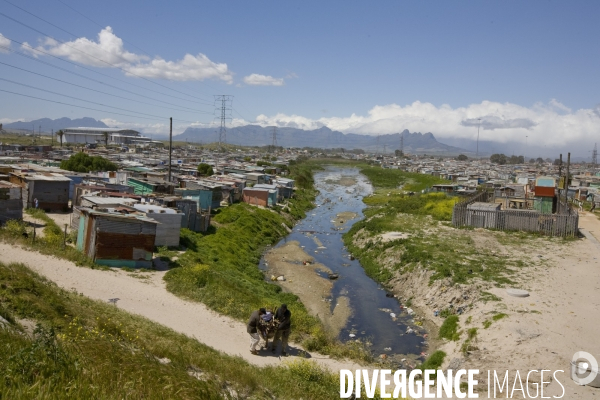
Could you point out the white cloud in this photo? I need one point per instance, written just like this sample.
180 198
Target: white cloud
190 68
551 124
263 80
109 49
4 42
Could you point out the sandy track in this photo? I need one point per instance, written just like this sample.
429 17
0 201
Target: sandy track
149 298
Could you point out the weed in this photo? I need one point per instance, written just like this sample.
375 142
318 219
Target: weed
469 320
434 361
449 329
487 296
499 316
487 323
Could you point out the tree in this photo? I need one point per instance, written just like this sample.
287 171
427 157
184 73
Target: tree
539 160
462 157
398 153
60 135
105 137
556 161
498 159
205 169
82 162
532 161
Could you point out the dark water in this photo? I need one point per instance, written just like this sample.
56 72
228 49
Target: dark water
367 298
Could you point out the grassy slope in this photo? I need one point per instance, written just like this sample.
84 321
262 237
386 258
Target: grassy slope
449 252
88 349
220 267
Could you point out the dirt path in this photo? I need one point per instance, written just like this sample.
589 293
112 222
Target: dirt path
150 299
544 330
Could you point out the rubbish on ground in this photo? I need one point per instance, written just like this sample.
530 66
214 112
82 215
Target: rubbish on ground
392 315
352 335
281 278
388 349
517 292
334 276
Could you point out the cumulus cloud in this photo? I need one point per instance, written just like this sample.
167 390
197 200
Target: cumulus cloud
551 124
108 52
5 43
263 80
491 122
190 68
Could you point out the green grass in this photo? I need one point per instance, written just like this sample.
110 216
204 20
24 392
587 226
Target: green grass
220 270
467 345
52 242
88 349
394 178
499 316
449 329
434 361
487 323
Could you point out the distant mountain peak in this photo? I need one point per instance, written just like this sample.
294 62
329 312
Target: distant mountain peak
48 124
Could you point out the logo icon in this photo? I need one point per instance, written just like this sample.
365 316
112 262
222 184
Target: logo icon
584 368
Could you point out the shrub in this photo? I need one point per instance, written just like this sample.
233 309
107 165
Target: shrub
449 329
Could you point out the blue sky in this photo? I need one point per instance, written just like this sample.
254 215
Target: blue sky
525 68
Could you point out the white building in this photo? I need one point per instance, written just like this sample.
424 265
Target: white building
96 135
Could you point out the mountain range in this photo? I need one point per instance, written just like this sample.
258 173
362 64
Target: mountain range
254 135
47 125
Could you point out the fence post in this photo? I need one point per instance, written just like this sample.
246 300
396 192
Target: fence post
65 239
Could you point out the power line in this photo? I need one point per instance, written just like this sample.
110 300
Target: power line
87 108
74 98
100 25
91 70
89 55
99 91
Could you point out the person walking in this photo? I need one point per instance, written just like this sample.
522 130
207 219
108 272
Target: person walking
36 203
252 329
284 316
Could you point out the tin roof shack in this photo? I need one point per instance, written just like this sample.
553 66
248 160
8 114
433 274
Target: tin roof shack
256 177
146 186
93 202
286 187
11 204
260 197
278 196
192 219
482 215
206 200
116 240
51 190
169 223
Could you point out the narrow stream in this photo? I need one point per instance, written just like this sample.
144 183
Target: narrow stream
372 311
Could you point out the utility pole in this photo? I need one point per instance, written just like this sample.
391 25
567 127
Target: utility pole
478 126
525 155
567 181
170 145
274 144
52 137
224 110
594 156
559 177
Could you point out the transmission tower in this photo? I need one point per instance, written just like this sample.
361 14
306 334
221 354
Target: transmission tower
401 145
595 155
274 143
223 105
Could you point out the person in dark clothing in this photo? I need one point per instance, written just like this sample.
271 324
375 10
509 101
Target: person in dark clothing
252 329
284 316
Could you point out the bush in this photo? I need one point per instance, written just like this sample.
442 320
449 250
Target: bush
14 228
82 162
449 329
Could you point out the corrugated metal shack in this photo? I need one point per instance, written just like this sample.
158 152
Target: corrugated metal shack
51 189
11 204
116 240
169 223
207 194
260 197
194 221
146 186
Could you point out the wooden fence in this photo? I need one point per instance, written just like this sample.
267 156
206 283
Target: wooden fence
562 224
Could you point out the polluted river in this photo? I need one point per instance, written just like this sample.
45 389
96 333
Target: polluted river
313 263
